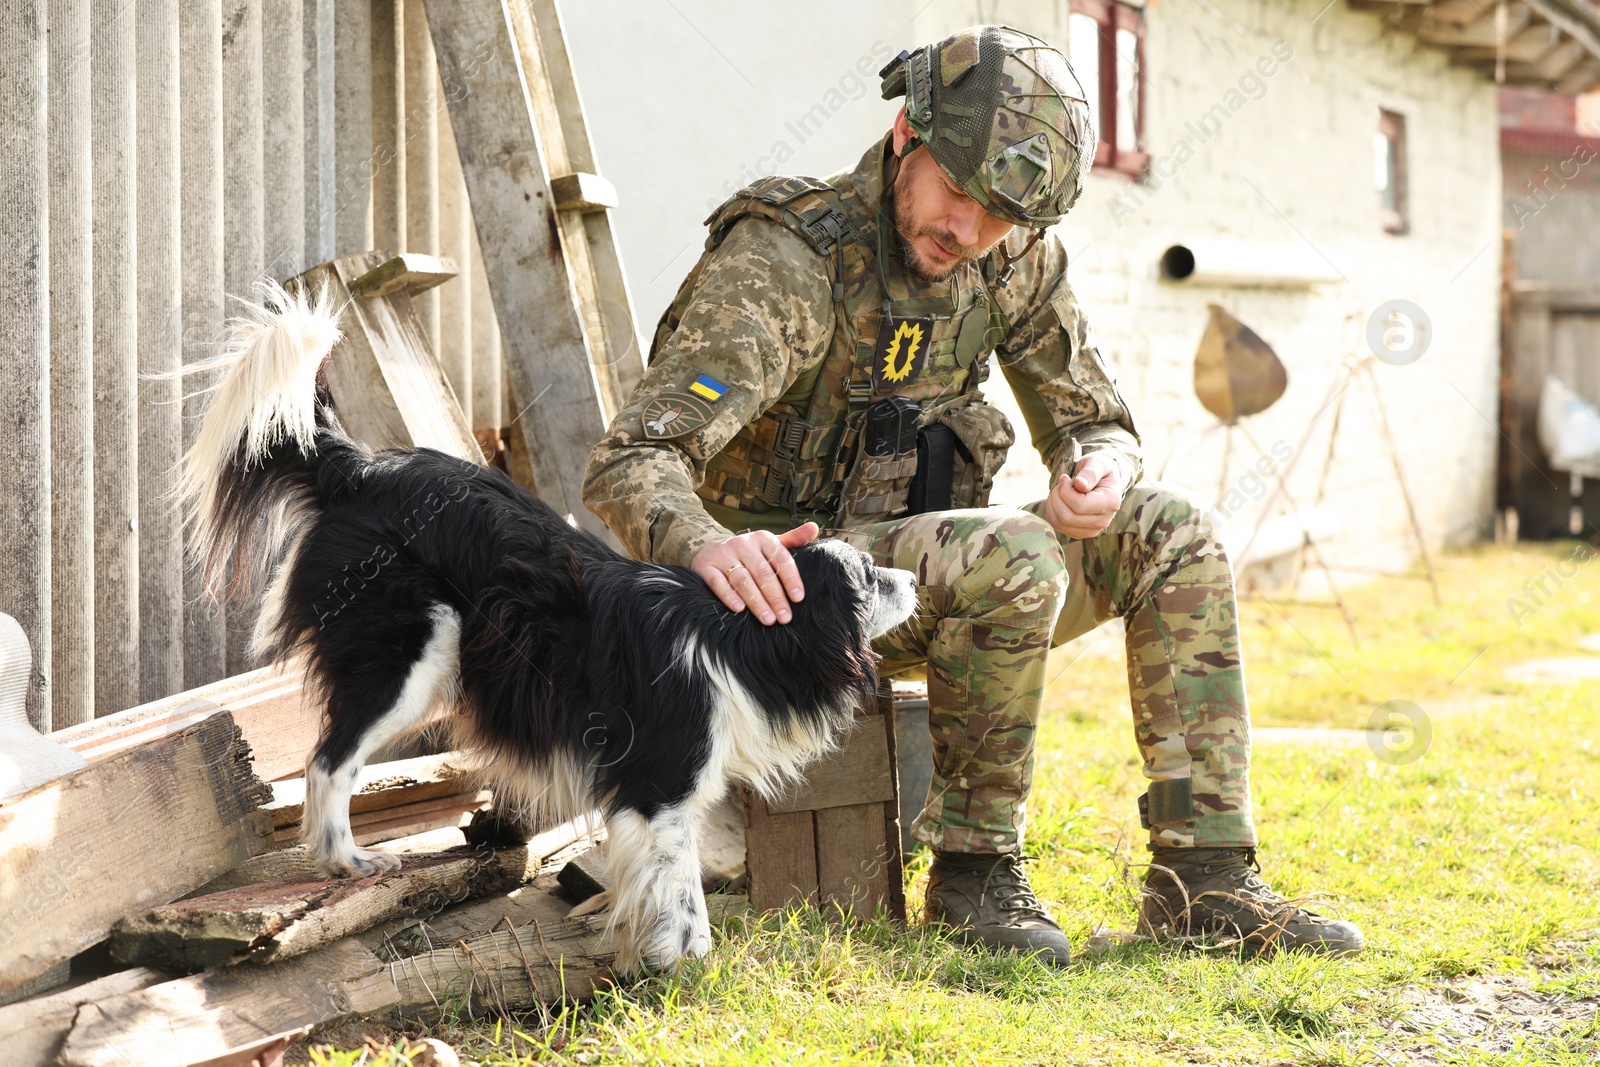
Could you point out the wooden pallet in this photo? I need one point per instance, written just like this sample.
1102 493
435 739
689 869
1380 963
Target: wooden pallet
836 839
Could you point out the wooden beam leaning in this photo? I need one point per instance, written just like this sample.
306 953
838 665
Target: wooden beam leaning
387 386
558 412
624 354
134 831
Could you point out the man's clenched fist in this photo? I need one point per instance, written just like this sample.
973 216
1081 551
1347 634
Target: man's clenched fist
1084 505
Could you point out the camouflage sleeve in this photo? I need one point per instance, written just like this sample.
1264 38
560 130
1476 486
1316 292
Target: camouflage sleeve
760 314
1061 381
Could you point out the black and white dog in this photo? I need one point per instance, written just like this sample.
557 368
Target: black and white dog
412 581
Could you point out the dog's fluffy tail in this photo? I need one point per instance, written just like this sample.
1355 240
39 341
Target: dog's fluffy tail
249 479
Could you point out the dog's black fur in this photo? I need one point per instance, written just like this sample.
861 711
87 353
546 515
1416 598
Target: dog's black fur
410 578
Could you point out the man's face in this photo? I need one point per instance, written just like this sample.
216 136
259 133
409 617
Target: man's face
939 226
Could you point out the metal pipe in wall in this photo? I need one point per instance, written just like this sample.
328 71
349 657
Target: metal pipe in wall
1248 264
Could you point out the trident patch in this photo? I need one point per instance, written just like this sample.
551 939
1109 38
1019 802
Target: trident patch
901 351
675 412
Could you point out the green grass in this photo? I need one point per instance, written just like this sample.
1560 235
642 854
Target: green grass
1478 861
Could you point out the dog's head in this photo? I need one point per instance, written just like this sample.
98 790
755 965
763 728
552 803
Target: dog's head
821 661
845 590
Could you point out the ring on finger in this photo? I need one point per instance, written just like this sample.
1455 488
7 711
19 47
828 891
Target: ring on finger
730 569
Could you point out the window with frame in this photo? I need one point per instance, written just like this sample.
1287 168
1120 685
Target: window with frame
1105 43
1389 171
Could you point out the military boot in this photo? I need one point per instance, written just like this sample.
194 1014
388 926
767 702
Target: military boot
1217 893
985 898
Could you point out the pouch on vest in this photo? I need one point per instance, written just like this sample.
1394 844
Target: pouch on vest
879 484
986 435
937 445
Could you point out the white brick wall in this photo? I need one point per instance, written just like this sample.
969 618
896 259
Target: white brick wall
1291 166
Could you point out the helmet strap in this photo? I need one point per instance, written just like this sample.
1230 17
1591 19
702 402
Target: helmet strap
1008 267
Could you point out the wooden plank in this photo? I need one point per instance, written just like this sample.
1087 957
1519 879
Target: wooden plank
277 920
574 239
410 271
371 827
547 853
547 960
858 773
420 141
380 786
625 354
721 836
545 349
780 856
455 242
583 193
194 1019
277 720
854 857
130 832
31 1032
1558 296
386 384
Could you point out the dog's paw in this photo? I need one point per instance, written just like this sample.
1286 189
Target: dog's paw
359 863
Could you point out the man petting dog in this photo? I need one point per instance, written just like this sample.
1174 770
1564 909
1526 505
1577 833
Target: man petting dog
821 369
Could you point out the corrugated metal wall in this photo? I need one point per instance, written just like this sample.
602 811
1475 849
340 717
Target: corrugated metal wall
156 159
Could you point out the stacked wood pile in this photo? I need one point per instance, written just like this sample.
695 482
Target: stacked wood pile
155 909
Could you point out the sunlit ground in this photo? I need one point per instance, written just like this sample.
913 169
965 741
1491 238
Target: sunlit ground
1468 849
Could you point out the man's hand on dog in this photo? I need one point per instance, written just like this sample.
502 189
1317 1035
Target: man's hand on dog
1084 505
755 570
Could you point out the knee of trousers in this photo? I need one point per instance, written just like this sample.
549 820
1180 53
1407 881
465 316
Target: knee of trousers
1171 516
1018 575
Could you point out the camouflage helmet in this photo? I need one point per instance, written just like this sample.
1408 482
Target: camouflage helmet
1005 117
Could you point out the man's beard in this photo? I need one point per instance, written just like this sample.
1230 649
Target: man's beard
919 265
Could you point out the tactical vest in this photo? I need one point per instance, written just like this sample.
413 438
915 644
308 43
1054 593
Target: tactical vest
802 459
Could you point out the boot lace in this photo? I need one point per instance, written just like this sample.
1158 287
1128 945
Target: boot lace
1246 873
1008 883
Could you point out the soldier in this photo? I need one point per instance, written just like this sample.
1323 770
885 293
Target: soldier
821 368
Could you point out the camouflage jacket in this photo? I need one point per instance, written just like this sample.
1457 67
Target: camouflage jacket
757 320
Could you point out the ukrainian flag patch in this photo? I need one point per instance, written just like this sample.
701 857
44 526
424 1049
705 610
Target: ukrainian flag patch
708 387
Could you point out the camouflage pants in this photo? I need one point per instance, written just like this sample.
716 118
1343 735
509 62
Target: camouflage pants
998 587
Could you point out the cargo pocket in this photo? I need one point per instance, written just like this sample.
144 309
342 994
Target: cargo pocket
986 436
